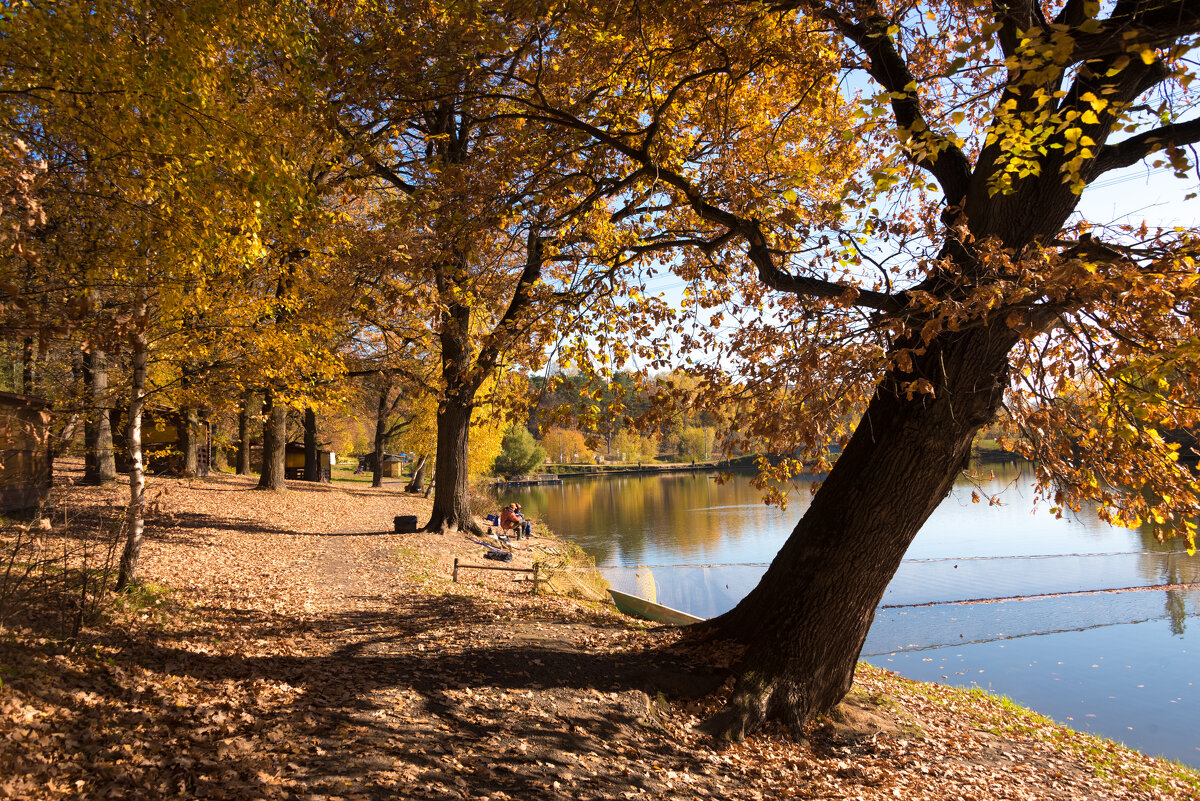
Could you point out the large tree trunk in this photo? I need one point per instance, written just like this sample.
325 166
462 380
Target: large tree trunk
243 447
100 464
312 470
135 514
451 499
417 482
274 450
805 622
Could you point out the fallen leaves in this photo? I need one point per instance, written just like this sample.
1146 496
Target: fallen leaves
296 655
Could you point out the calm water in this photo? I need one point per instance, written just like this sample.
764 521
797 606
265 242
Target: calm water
1124 664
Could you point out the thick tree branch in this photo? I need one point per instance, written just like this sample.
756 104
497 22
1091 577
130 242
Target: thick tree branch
1136 148
522 299
940 157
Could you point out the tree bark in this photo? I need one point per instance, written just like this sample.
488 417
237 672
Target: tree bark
135 514
451 499
312 470
417 482
100 464
28 360
243 446
382 409
274 449
189 424
805 622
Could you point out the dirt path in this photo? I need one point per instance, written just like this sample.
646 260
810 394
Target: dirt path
292 659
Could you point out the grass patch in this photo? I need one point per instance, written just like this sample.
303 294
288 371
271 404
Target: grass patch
1109 760
148 600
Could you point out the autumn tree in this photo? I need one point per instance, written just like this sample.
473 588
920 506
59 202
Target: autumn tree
949 276
494 213
160 178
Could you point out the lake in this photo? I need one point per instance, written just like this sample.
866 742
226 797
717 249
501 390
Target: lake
1054 613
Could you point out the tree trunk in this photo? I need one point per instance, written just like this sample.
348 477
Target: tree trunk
189 425
28 359
243 447
274 449
451 500
381 417
217 455
312 470
135 515
100 464
417 482
805 622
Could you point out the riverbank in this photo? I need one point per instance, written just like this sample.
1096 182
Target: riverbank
288 645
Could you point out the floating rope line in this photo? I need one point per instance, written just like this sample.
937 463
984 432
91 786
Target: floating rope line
913 649
1038 596
929 560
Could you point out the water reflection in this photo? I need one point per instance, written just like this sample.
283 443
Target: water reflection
1081 639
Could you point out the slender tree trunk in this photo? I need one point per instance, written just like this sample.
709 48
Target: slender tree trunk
381 417
28 360
805 622
189 436
274 448
100 465
135 515
417 482
243 447
217 456
312 470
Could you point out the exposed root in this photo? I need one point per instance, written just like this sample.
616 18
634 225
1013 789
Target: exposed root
447 526
766 689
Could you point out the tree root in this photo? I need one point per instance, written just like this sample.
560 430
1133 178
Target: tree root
765 690
444 527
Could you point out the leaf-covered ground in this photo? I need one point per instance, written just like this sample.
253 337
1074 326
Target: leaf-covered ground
301 650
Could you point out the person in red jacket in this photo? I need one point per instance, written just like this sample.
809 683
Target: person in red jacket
511 518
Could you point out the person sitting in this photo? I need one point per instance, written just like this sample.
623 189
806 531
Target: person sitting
511 518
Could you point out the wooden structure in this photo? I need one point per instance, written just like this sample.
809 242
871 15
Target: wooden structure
532 571
294 462
26 465
525 481
393 465
162 445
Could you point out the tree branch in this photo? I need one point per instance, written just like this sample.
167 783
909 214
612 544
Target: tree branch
946 162
1136 148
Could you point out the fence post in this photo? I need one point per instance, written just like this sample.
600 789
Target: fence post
456 570
536 566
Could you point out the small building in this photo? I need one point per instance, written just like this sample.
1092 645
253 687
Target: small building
393 465
162 445
26 463
294 461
